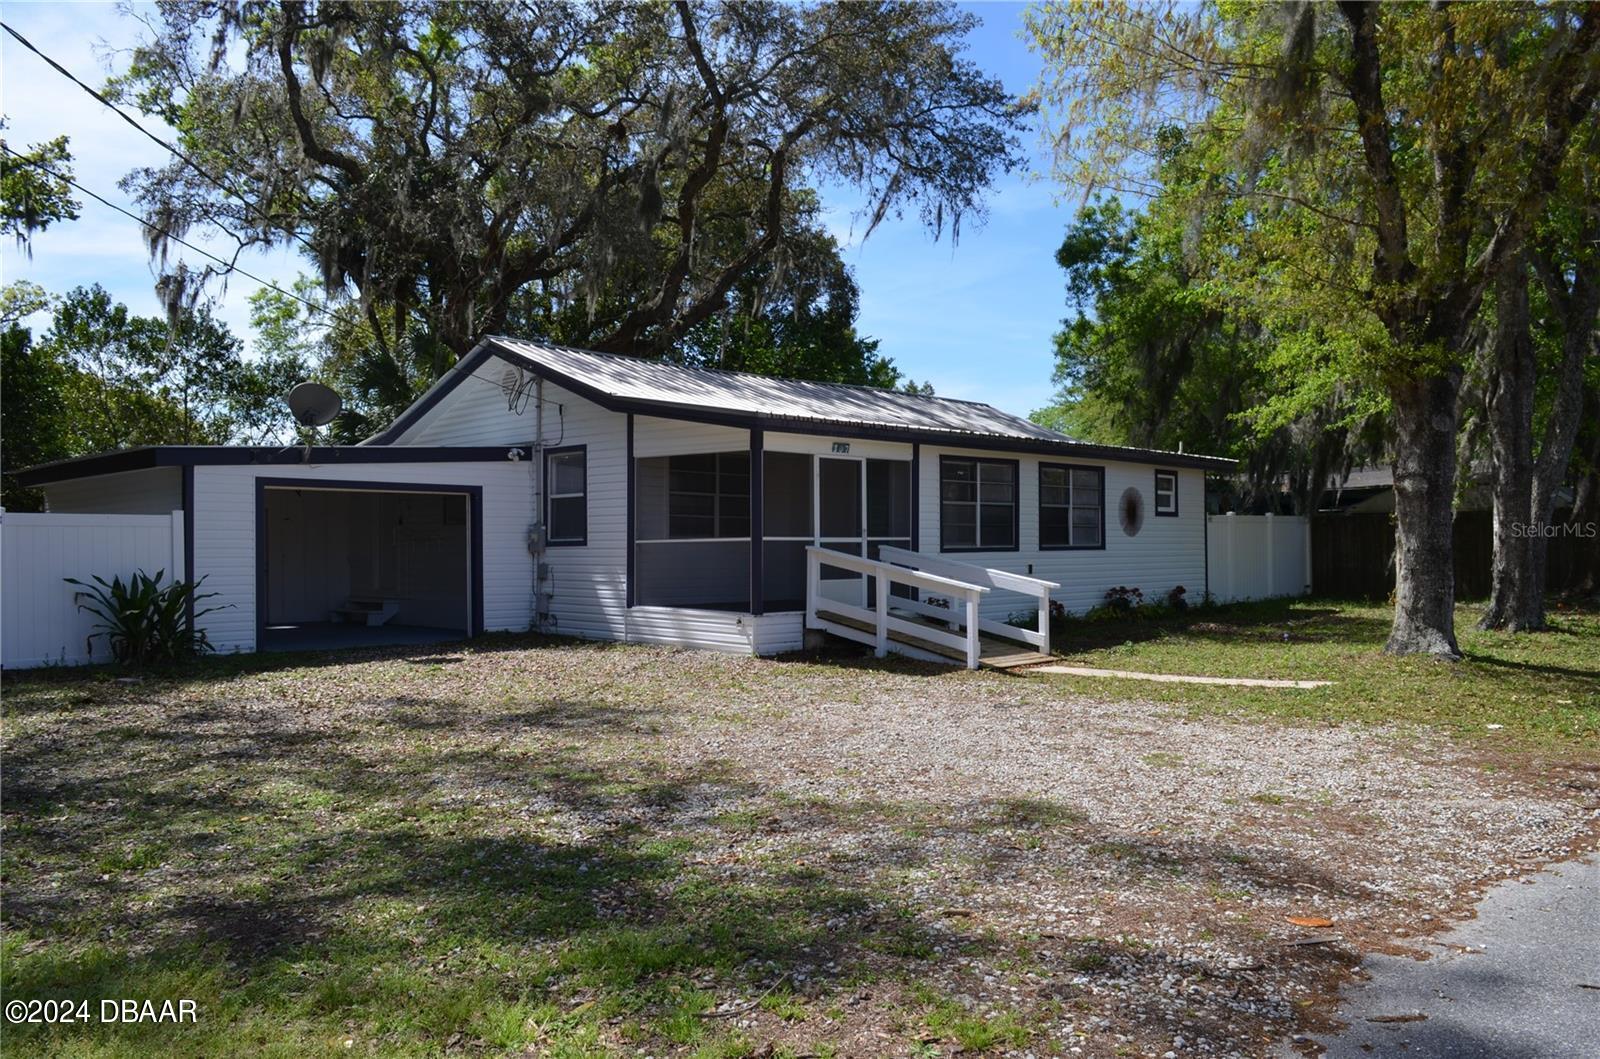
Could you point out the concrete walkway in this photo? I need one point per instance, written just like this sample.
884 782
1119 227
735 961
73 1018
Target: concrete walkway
1520 981
1176 678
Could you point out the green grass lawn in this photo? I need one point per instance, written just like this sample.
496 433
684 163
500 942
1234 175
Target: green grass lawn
1541 689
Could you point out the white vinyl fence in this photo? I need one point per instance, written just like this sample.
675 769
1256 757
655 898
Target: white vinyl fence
1258 556
40 623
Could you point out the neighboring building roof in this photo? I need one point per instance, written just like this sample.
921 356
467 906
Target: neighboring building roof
144 457
651 387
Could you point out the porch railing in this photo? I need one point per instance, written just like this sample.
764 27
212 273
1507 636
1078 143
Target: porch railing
875 625
1036 589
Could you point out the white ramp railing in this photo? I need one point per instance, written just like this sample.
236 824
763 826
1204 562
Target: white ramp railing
820 611
1037 589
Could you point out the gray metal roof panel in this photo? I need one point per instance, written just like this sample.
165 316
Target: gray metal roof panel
632 378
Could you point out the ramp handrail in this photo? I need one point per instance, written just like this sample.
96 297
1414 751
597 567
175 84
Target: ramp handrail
879 617
1004 580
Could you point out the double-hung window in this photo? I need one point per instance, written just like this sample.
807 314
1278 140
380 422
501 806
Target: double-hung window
977 504
1071 506
566 496
1167 493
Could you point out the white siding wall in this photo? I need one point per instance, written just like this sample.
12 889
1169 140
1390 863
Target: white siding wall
674 437
225 534
588 582
40 623
153 491
1167 551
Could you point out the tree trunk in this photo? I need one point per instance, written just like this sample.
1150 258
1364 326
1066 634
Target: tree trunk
1509 399
1424 413
1579 308
1586 511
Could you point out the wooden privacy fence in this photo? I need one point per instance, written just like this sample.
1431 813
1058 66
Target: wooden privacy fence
1353 555
40 623
1257 556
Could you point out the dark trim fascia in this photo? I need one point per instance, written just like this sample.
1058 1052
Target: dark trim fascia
916 496
458 374
544 473
1101 471
628 589
188 541
1155 492
786 425
758 551
473 493
146 457
1016 505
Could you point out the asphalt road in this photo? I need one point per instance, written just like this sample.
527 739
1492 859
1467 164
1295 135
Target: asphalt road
1521 981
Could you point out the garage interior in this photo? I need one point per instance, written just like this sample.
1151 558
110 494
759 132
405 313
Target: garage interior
362 567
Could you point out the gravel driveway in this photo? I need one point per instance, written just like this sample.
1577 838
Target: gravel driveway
1083 876
1132 869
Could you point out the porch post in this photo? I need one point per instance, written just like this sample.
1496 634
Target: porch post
628 589
757 552
916 487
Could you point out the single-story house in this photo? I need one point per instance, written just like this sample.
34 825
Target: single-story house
586 494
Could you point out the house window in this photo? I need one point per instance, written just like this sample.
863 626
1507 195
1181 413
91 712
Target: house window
1167 493
567 500
977 504
1072 510
708 495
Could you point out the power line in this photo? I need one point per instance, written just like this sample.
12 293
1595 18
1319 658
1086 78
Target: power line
229 265
215 180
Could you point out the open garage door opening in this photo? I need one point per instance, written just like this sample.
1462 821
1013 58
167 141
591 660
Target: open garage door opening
355 567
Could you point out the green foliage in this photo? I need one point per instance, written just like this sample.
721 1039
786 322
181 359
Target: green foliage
33 408
619 171
1154 358
32 199
143 621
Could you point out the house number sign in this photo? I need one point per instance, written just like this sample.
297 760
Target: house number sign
841 446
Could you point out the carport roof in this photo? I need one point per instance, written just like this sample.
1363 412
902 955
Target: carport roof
145 457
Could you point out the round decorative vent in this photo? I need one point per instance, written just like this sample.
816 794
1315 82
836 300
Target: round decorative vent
1131 509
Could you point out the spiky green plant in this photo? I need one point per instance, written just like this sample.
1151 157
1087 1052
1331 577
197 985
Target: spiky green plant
143 621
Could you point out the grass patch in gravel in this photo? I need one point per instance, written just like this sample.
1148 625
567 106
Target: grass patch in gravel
1542 689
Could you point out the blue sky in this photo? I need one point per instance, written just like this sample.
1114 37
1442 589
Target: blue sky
974 318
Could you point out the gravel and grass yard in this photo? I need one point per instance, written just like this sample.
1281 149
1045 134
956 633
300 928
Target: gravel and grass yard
534 847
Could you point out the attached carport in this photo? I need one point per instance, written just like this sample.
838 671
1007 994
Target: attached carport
321 547
354 564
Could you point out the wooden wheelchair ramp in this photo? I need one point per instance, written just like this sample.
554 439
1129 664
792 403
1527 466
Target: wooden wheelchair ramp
994 653
935 615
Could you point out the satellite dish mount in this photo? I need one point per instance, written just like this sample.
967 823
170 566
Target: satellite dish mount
313 404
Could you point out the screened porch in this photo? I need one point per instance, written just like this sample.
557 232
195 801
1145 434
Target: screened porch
729 530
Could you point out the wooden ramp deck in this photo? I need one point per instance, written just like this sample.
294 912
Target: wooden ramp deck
993 652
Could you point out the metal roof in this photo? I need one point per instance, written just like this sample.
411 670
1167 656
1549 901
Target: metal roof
634 379
651 387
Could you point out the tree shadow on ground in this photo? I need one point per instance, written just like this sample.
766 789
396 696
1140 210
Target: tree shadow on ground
258 848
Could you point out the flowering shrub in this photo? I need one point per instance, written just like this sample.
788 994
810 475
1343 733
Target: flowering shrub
1124 598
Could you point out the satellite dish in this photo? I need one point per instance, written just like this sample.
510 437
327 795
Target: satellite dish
314 404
